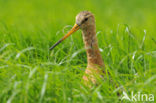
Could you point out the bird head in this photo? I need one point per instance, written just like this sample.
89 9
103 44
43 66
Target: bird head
83 20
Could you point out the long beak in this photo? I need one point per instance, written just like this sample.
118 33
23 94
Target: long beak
74 29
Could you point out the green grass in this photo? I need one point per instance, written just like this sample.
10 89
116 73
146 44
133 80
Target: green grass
30 73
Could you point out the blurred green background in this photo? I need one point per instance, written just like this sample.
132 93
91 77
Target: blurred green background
57 13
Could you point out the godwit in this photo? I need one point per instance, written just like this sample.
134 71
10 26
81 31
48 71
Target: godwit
86 22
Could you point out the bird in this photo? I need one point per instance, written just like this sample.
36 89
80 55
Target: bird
85 21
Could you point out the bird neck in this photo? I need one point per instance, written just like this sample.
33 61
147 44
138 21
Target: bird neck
91 45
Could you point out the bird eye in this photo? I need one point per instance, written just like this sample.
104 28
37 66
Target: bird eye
86 19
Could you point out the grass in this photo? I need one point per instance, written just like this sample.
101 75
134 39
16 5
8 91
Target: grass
29 72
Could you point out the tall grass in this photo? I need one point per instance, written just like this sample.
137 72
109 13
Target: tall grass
29 72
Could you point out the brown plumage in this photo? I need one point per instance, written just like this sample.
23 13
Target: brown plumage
95 68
